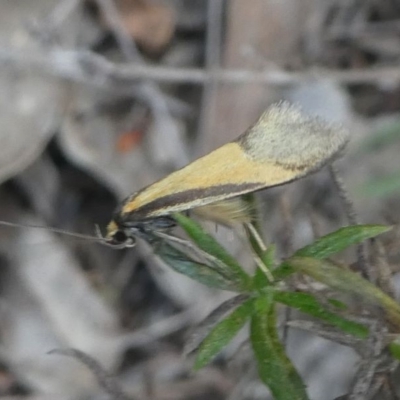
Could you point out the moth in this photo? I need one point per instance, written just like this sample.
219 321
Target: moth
282 146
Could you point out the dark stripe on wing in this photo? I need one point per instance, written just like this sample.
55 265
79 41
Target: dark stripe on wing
186 197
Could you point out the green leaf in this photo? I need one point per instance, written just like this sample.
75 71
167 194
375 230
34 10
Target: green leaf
209 245
260 280
223 333
308 304
268 257
394 349
349 282
339 240
333 243
274 367
203 273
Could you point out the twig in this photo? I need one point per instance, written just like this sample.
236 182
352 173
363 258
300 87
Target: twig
288 233
124 40
90 68
288 230
146 87
367 370
329 333
107 382
149 335
392 387
86 68
46 30
61 12
315 224
213 53
383 271
37 397
347 203
382 382
353 220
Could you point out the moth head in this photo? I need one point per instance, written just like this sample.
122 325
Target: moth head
122 231
119 237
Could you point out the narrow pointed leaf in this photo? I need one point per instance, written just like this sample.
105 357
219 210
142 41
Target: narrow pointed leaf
347 281
340 240
223 333
333 243
203 329
274 367
308 304
203 273
208 244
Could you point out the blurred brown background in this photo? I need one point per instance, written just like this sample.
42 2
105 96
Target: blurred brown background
99 98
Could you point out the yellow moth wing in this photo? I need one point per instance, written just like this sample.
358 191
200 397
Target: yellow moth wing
281 146
286 136
228 165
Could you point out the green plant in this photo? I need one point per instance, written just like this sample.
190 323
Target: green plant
259 296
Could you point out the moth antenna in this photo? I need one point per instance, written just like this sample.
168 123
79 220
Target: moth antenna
100 237
96 238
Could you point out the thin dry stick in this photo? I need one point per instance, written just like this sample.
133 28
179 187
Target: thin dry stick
263 268
213 52
383 270
128 47
124 40
369 364
379 386
260 243
318 329
90 68
288 230
392 387
61 12
380 381
257 237
315 224
353 220
107 382
158 330
287 251
46 30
